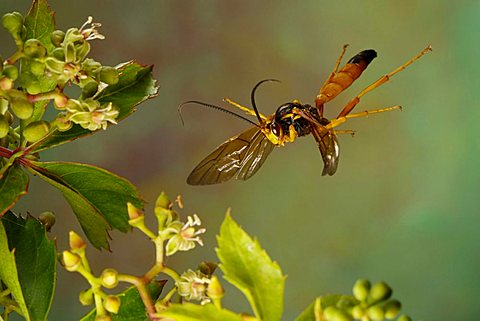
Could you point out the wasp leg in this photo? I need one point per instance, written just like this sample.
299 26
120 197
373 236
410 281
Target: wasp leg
245 109
349 107
340 120
345 131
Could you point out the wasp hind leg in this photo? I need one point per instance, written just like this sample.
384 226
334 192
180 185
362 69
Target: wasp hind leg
345 131
340 120
349 107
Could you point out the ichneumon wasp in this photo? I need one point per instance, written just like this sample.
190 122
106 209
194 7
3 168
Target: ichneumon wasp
241 156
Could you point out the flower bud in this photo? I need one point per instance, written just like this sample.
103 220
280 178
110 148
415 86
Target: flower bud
86 297
89 89
361 289
392 308
4 126
71 261
6 83
57 37
55 65
33 48
109 278
380 291
34 88
82 49
47 218
58 53
36 130
37 68
163 201
133 212
60 101
13 22
331 313
207 268
112 304
215 290
11 72
376 313
70 55
109 75
91 66
21 107
404 318
76 242
103 317
62 122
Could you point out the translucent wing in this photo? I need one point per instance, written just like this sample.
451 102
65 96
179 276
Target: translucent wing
240 157
328 145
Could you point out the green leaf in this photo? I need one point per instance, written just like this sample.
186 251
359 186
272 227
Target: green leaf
98 198
134 86
194 312
13 185
8 272
249 268
40 24
131 305
28 264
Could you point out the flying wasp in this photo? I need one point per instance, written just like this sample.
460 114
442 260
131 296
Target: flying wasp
241 156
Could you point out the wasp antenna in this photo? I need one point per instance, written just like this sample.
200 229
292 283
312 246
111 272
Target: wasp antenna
213 107
252 96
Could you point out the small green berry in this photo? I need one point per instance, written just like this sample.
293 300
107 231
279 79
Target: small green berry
57 37
47 218
376 313
21 107
392 308
109 75
36 130
11 72
380 291
358 312
404 318
361 289
33 48
13 22
4 126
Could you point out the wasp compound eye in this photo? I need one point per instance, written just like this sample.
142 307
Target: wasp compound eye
276 129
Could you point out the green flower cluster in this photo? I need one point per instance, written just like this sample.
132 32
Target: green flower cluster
369 303
38 72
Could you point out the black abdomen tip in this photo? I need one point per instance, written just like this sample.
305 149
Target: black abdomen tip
366 56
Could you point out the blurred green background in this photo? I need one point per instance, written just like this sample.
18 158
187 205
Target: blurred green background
403 206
